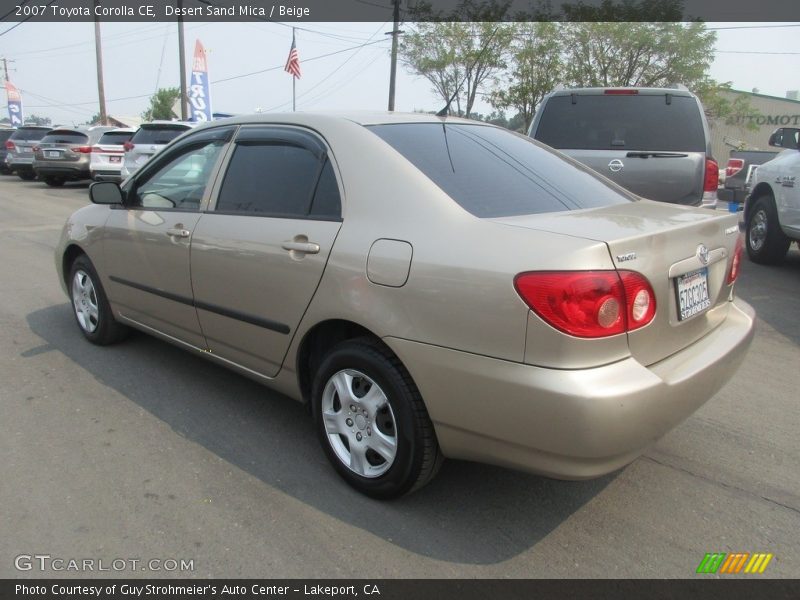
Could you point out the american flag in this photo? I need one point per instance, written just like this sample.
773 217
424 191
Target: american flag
293 62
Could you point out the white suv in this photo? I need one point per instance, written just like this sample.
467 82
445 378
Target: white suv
149 139
772 210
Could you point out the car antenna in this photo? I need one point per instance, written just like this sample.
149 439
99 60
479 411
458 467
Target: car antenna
446 110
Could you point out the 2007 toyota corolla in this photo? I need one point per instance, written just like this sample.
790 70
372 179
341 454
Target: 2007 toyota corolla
431 287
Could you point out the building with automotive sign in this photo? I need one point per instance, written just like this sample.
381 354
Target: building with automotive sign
770 112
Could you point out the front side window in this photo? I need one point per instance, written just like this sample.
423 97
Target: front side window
181 182
267 178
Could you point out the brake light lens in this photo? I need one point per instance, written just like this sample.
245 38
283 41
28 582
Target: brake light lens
589 304
81 149
10 145
733 167
35 149
127 146
736 261
614 92
711 182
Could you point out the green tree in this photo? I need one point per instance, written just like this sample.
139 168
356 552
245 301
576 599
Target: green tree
459 59
37 120
637 54
536 67
161 104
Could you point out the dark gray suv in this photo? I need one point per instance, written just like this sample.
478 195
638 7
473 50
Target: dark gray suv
653 141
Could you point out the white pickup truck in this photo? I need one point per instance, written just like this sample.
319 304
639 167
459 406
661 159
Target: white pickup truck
772 210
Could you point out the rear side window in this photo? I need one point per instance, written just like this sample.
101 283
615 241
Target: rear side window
5 134
64 137
492 172
115 137
28 134
157 135
272 179
622 122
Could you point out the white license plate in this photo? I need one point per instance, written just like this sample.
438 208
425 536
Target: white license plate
692 292
115 159
53 154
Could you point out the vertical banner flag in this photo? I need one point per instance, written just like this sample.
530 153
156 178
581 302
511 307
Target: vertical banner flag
199 91
14 105
293 61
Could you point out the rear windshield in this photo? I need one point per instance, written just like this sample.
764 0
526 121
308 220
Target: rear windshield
115 137
621 122
24 133
64 137
491 172
157 135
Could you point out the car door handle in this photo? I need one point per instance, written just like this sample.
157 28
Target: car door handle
178 232
304 247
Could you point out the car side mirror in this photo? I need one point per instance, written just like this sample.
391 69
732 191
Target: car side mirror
785 137
105 192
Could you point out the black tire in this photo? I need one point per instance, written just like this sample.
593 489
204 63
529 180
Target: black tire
26 175
766 242
417 456
102 329
54 181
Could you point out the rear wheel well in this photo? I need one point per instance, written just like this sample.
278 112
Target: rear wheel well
318 341
70 254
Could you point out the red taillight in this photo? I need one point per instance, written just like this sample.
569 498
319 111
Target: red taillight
127 146
35 149
711 182
589 304
736 261
615 92
734 166
81 149
10 145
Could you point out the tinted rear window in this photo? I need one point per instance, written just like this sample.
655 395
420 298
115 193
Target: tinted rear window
115 137
491 172
156 135
618 122
64 137
24 133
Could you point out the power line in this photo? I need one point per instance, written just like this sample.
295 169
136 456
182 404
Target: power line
23 20
757 52
321 56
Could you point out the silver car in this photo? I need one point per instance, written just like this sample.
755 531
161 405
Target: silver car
653 141
19 150
149 139
429 287
64 154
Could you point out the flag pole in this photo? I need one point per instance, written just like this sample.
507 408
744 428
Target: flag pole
294 82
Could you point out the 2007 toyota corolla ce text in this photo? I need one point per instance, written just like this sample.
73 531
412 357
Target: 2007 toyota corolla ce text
432 287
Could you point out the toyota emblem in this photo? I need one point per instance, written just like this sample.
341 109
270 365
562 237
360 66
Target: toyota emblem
702 253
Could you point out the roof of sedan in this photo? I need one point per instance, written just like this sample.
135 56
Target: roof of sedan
360 117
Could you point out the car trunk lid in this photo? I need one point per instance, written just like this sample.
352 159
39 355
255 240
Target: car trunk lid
665 243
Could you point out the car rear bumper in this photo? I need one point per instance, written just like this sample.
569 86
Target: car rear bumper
106 175
67 171
569 424
20 162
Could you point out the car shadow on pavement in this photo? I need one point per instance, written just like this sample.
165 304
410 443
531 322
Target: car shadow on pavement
773 291
470 513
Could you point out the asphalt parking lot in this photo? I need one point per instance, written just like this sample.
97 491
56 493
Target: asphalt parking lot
142 451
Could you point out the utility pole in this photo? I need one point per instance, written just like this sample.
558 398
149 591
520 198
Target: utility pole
393 72
182 61
101 90
5 66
